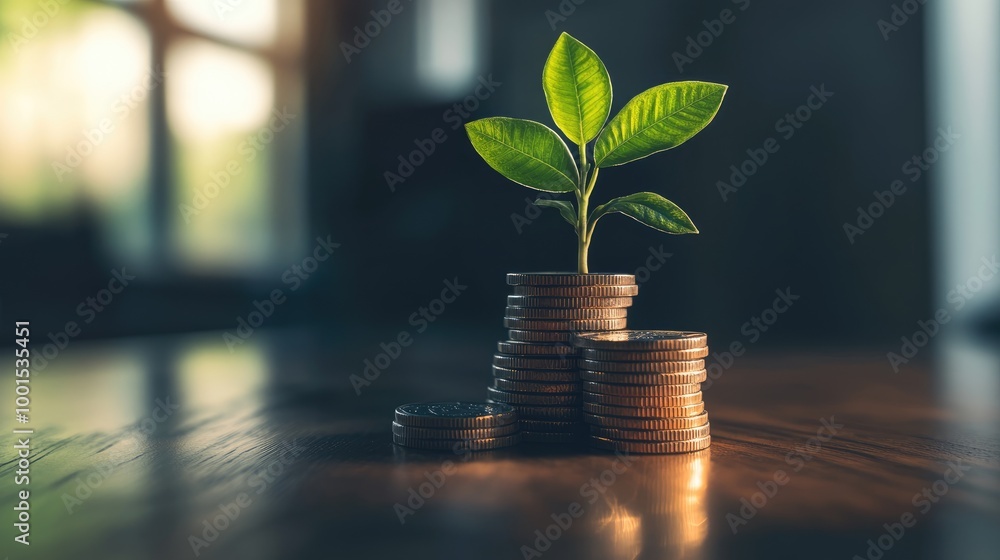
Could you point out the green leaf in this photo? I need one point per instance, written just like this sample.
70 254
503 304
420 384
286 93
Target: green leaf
577 89
565 208
649 209
525 152
658 119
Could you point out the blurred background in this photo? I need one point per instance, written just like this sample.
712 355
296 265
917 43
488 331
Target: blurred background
170 168
121 119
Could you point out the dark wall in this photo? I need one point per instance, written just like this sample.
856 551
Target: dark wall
783 228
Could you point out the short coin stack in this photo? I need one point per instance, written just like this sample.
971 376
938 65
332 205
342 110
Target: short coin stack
641 390
455 426
536 370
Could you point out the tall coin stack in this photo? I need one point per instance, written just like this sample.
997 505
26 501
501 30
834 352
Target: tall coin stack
535 371
642 392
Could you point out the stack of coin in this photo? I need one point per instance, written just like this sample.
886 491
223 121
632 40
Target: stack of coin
456 426
535 371
641 390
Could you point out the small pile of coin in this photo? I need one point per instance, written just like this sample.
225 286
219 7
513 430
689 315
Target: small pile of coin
455 426
535 371
641 390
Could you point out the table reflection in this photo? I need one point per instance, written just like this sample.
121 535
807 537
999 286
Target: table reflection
657 508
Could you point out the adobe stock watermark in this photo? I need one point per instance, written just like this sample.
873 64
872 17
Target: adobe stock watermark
562 13
958 297
786 126
249 149
417 497
87 484
257 483
93 138
34 23
420 320
292 277
87 310
455 116
366 33
696 44
913 168
899 16
532 211
591 491
797 459
753 330
923 501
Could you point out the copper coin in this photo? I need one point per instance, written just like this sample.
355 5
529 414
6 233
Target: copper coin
536 348
685 446
565 326
551 437
655 402
568 279
550 426
458 445
518 335
566 314
462 433
533 387
646 423
651 435
569 302
642 340
577 291
640 390
645 411
533 399
643 367
644 356
521 362
644 378
537 375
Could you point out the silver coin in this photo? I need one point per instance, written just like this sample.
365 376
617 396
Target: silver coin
641 340
413 432
455 415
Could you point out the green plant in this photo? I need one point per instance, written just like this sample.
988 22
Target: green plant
578 92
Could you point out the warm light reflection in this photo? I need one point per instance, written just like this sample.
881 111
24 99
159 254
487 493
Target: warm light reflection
90 391
659 508
250 22
210 376
622 531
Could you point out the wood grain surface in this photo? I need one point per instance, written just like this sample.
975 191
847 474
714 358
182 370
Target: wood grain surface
274 439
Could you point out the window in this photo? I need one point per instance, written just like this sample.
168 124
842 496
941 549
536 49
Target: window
174 126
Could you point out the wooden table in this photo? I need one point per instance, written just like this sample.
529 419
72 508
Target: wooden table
141 446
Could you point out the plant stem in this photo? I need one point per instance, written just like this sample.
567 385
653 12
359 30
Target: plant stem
583 240
583 203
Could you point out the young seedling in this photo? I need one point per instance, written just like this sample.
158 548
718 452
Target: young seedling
578 92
